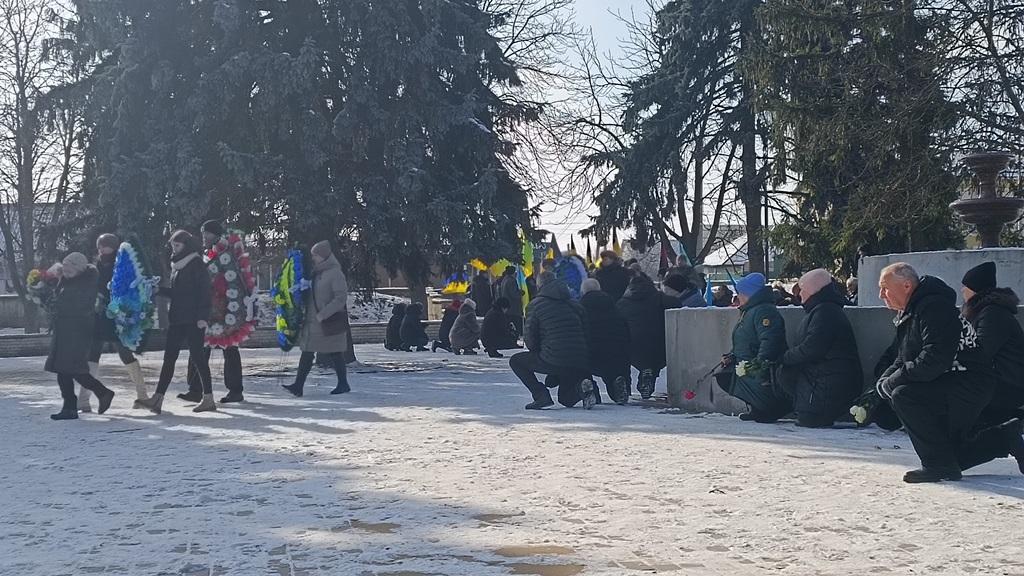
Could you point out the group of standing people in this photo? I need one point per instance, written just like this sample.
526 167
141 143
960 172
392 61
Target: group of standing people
81 329
954 379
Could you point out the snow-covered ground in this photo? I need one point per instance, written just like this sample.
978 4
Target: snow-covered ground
432 467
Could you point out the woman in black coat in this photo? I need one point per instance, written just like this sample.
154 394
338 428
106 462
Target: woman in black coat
607 340
451 314
106 249
643 307
413 332
393 337
992 312
482 293
72 333
821 371
498 330
189 293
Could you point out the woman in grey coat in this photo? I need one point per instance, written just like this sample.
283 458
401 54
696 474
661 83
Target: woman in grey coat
324 331
465 334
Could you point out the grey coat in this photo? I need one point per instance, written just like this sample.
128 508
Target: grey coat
328 296
465 334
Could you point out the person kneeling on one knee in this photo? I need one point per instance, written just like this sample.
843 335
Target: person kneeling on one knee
938 383
557 346
821 372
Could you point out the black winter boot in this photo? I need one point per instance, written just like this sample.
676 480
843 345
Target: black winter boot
294 389
1013 430
105 397
924 475
195 396
69 411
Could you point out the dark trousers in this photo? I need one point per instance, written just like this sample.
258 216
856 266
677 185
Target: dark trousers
126 355
232 370
989 441
939 415
306 360
66 383
608 373
762 397
192 337
526 366
517 322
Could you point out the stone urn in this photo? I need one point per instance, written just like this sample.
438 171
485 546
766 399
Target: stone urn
985 209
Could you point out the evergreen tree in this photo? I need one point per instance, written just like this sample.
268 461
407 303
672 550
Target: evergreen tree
854 103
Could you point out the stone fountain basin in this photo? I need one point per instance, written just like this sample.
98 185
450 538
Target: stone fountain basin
986 210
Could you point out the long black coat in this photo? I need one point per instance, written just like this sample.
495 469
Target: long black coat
932 337
393 336
445 329
190 291
999 335
105 331
555 327
607 334
643 308
413 332
496 332
614 280
483 294
71 332
822 371
508 288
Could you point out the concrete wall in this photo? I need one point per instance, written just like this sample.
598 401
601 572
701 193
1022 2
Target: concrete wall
12 311
950 265
696 338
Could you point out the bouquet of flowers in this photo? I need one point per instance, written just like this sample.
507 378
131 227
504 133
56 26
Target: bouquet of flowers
233 311
131 298
42 288
757 369
287 295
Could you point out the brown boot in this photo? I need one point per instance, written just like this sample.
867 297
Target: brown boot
153 403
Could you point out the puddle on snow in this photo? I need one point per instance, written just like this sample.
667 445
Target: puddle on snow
375 528
541 550
495 518
547 569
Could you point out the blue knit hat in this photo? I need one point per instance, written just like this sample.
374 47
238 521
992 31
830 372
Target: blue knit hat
750 284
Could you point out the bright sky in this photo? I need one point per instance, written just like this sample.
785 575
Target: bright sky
599 16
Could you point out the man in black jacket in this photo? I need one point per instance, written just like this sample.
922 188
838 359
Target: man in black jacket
821 371
992 311
938 384
607 340
613 276
556 338
497 332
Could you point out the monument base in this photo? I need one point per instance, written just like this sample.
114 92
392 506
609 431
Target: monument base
950 265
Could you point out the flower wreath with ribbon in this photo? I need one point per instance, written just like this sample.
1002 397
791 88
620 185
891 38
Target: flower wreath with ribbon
233 303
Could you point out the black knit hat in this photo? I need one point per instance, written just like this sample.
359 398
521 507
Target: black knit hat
213 227
676 282
981 278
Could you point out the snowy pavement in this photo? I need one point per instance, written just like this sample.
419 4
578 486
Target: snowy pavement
432 467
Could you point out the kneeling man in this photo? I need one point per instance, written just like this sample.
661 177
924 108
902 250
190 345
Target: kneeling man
937 384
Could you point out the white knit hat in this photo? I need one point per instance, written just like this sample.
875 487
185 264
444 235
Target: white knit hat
469 302
74 264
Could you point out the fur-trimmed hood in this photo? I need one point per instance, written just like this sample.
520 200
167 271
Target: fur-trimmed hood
1004 297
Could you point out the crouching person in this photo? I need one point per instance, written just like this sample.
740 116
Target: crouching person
607 340
821 372
557 347
937 384
465 333
758 339
992 311
499 332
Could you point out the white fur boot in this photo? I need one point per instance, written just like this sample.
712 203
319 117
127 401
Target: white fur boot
135 374
84 394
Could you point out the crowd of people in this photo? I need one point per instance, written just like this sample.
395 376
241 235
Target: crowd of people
953 378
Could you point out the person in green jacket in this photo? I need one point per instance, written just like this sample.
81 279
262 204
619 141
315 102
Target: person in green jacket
760 335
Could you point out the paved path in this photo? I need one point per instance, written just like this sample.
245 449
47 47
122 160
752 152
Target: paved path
432 467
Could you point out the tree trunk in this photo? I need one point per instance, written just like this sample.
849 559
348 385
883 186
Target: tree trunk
750 187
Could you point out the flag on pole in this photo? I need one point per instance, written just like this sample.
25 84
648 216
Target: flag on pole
709 295
554 252
572 246
527 255
615 242
590 255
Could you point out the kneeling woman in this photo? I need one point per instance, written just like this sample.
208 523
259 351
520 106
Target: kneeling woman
72 328
190 308
325 330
